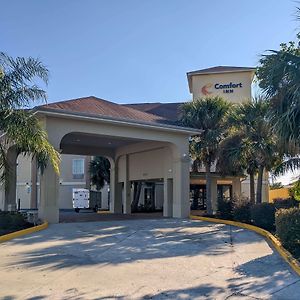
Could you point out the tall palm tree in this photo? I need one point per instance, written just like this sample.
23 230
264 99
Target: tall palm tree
99 171
19 127
279 77
209 115
252 146
237 156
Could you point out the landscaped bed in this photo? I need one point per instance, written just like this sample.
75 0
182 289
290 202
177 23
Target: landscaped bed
12 221
281 218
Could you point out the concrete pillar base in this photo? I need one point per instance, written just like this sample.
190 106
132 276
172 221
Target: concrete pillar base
48 209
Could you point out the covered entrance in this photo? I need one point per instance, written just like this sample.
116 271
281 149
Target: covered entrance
140 149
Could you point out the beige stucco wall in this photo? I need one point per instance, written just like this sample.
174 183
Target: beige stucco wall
24 181
147 164
210 80
66 180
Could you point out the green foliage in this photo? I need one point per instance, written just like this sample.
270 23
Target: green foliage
278 76
209 115
242 211
276 185
263 215
251 146
285 203
225 208
10 222
21 128
295 190
99 171
288 229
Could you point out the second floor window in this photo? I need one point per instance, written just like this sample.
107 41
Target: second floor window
78 168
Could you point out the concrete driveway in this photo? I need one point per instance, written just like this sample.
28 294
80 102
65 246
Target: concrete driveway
144 259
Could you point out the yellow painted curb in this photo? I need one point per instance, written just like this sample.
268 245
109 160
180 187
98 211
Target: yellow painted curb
10 236
287 256
103 212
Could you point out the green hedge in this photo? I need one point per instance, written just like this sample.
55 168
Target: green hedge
285 203
225 208
12 221
263 215
242 212
288 229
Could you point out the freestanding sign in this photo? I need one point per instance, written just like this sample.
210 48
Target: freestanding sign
231 83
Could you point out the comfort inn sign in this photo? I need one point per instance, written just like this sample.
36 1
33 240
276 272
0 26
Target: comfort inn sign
231 83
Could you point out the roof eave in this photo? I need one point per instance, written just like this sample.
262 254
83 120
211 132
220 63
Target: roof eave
86 116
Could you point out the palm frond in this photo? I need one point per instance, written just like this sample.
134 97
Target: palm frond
291 164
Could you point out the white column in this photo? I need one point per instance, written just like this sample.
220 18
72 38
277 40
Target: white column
236 187
214 194
127 188
33 196
181 186
168 197
48 209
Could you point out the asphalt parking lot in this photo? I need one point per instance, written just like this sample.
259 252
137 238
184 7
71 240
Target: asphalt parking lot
144 259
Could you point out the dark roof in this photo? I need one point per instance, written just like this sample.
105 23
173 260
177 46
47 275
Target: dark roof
220 69
169 111
99 107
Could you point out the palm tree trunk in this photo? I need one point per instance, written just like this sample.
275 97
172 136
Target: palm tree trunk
252 188
208 189
259 184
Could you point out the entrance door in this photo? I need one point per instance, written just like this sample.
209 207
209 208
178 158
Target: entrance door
198 197
149 197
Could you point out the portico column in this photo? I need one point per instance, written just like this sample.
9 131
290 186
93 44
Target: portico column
127 188
214 194
181 186
10 191
33 196
48 206
115 189
168 196
236 187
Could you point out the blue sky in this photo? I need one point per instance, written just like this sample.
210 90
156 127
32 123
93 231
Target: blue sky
138 50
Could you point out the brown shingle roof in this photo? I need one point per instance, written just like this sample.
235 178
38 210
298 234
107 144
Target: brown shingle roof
169 111
99 107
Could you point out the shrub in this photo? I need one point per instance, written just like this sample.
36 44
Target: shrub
263 215
225 207
10 221
285 203
242 212
288 229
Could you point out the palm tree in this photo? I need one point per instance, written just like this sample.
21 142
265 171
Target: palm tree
99 172
252 146
279 78
20 128
237 156
210 115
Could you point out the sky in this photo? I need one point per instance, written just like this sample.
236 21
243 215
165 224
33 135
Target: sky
140 50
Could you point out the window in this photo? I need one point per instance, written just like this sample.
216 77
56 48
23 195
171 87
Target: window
78 168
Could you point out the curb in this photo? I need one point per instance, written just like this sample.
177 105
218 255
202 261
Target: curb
103 212
287 256
10 236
